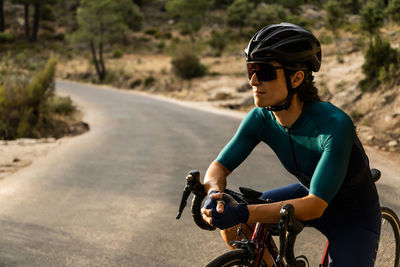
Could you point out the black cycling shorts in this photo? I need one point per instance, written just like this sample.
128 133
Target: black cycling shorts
353 239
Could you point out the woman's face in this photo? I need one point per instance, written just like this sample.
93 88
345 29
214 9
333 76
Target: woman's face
269 93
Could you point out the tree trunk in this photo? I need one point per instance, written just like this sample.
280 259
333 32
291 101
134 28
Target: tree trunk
102 65
1 16
27 27
356 7
36 22
96 62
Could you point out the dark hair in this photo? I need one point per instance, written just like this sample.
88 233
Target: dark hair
306 91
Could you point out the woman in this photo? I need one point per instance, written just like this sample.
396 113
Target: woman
314 140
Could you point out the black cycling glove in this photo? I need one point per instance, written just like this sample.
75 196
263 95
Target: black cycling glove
233 214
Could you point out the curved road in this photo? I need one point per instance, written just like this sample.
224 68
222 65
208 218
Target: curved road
110 196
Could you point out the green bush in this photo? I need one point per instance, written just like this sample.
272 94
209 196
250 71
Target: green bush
372 18
356 115
218 41
111 77
266 14
298 20
62 105
167 35
151 31
393 10
381 63
24 105
325 38
161 45
238 12
6 37
149 81
117 53
135 83
293 5
188 66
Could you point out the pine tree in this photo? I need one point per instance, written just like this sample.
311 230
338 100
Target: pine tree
100 22
190 14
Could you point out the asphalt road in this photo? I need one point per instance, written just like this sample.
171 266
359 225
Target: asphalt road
110 196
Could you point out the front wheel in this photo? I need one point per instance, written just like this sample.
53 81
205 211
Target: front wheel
389 244
236 257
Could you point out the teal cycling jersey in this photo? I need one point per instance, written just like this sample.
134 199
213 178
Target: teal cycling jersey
321 149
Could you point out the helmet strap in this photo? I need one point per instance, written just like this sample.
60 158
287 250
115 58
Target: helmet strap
285 104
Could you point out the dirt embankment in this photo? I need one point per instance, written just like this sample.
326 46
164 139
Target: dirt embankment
17 154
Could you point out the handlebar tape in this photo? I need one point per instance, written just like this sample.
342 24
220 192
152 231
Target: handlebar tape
199 194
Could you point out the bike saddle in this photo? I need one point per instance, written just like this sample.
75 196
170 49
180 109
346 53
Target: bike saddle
252 196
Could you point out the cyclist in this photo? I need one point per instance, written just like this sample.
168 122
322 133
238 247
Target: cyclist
314 140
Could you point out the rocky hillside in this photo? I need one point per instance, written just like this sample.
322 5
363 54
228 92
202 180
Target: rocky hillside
143 63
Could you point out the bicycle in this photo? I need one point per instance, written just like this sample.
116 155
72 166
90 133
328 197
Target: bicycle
250 252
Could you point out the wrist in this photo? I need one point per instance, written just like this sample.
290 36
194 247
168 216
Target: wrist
244 213
214 191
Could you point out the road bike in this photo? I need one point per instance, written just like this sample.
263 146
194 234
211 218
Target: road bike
250 252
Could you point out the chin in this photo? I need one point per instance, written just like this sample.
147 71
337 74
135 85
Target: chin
259 103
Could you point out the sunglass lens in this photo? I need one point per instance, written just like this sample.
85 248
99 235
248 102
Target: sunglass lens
265 71
252 68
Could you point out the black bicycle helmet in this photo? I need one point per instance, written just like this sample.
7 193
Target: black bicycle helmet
286 43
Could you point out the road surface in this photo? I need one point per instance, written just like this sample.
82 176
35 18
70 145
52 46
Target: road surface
110 196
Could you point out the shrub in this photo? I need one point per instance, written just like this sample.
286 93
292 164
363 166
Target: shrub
372 18
62 105
266 14
218 41
117 53
149 81
381 62
298 20
135 83
6 37
151 31
325 38
293 5
111 77
238 12
393 10
161 45
24 105
356 115
188 66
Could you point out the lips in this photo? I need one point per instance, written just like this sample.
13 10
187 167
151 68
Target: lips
258 93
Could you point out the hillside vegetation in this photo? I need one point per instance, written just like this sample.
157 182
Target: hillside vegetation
192 50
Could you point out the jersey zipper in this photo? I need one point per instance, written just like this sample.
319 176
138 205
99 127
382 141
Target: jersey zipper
293 154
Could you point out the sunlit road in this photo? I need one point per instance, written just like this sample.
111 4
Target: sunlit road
110 196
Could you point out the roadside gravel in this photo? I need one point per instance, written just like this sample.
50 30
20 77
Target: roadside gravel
20 153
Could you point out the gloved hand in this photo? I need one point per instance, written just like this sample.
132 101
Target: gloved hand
231 213
210 203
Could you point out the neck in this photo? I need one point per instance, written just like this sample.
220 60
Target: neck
286 118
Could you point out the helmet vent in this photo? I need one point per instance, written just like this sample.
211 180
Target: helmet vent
297 47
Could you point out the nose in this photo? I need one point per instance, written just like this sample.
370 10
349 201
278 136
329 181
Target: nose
254 80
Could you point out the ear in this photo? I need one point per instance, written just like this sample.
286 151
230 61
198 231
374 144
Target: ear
297 78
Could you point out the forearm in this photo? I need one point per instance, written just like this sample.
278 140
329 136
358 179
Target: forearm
306 208
215 178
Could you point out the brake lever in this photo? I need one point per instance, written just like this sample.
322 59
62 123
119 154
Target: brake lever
193 185
186 193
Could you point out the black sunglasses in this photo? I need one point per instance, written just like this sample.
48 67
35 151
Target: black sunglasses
265 71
